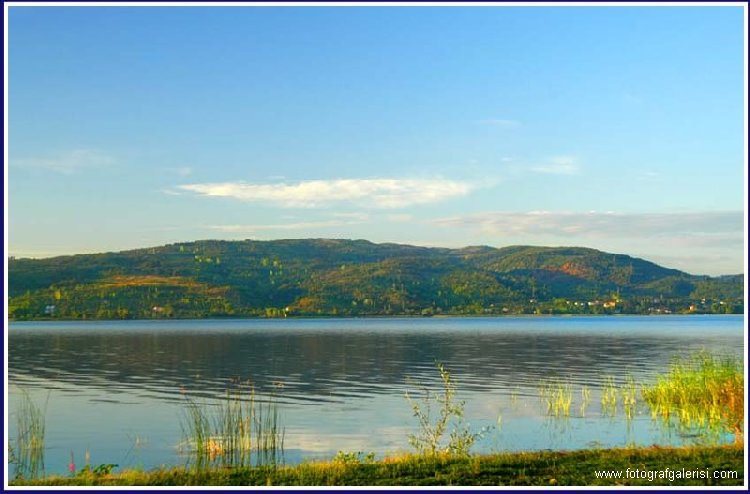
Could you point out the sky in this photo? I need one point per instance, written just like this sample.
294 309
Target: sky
615 128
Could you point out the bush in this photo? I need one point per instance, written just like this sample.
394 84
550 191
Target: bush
429 440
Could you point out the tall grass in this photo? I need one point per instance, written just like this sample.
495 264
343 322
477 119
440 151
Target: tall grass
703 392
235 431
28 453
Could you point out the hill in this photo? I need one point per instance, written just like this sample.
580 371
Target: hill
249 278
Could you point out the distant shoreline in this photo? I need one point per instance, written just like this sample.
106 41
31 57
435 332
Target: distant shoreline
403 316
356 278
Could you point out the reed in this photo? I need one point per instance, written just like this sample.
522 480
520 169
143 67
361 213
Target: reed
233 432
628 394
196 426
701 392
269 433
514 395
28 453
585 399
558 396
609 396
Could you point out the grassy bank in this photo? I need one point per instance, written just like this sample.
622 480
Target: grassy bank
533 468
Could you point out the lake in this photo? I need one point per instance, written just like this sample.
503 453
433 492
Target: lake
117 389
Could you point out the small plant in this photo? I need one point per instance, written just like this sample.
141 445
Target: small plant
429 440
28 454
104 469
98 471
358 458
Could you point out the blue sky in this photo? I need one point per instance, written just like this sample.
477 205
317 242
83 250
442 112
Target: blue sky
617 128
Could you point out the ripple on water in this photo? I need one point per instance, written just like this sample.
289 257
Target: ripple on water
334 379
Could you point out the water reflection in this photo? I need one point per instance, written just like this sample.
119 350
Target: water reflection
341 382
337 364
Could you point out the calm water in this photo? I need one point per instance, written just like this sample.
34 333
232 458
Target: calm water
117 389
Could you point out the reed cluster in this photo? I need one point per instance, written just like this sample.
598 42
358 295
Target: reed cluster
239 430
558 396
701 392
28 454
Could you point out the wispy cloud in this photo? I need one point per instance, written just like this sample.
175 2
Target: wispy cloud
384 193
305 225
400 218
700 229
559 165
506 123
67 162
352 216
719 263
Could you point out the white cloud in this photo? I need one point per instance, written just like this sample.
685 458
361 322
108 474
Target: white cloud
559 165
699 228
67 162
693 238
384 193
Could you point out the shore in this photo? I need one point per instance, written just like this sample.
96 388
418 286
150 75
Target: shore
652 466
372 316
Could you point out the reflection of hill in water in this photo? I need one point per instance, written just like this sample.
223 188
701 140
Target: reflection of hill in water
329 365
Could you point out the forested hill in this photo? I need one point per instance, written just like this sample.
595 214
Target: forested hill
354 277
